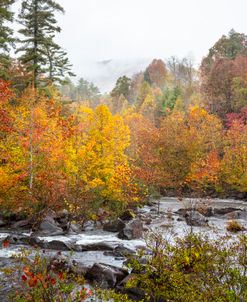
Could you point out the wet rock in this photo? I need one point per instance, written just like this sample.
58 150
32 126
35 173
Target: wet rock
223 211
57 245
205 211
98 246
121 250
88 226
182 212
105 276
24 240
114 226
63 223
21 224
132 230
74 228
133 293
194 218
60 263
237 215
49 228
127 215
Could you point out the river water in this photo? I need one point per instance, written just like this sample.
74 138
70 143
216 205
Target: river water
160 221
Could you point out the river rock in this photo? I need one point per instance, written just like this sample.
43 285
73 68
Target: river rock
97 246
57 245
24 240
223 211
127 215
237 215
132 230
114 226
61 263
49 227
194 218
74 228
21 224
88 226
133 293
105 276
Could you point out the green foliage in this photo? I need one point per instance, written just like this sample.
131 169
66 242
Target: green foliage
229 46
122 87
6 36
192 269
83 91
40 54
169 98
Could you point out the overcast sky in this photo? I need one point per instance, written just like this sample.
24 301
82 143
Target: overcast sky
128 31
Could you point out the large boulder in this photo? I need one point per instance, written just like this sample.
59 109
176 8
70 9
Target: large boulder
49 227
105 276
114 226
58 245
132 230
194 218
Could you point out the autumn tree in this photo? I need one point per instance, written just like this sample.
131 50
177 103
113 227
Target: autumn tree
96 164
223 74
156 73
225 86
227 47
12 184
184 140
144 152
234 162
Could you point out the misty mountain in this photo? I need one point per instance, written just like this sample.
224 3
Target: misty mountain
105 73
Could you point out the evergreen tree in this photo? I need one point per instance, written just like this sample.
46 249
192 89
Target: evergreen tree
5 35
40 54
58 65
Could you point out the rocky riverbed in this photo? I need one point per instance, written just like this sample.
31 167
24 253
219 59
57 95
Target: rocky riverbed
99 251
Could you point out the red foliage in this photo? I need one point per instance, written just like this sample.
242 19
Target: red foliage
241 117
5 92
5 244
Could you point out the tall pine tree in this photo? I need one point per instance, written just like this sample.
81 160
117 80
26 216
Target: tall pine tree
6 37
40 54
58 65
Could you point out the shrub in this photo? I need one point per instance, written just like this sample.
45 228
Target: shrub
234 226
192 269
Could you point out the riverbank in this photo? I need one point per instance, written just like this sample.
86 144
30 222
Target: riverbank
94 245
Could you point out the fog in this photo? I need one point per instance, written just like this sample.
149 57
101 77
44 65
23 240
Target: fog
109 38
